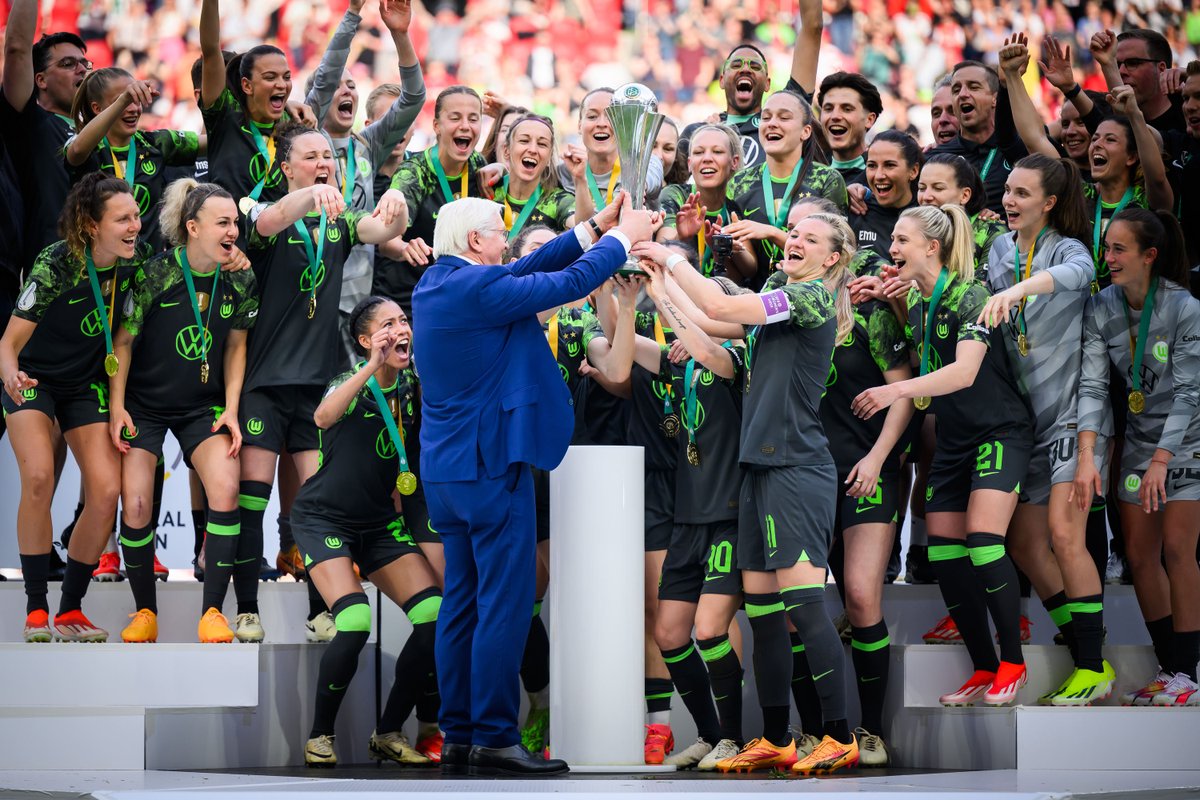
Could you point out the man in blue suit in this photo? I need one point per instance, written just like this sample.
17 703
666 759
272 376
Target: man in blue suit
493 404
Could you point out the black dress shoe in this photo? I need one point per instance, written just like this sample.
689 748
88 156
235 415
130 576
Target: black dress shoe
455 758
515 760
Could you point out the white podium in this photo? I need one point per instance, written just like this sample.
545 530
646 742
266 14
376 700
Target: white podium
597 670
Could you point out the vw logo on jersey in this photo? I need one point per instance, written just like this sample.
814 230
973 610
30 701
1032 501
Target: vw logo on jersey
306 281
192 343
384 447
333 233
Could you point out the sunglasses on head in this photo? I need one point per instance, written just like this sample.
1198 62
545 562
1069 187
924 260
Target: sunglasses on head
753 64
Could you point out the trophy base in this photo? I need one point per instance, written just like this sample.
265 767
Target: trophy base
631 268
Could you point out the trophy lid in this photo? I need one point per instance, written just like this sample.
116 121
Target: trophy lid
635 94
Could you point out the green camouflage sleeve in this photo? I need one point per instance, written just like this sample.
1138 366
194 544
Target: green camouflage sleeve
812 306
564 203
245 294
50 276
591 329
971 299
349 222
408 180
150 281
178 148
670 200
254 239
213 115
775 280
338 381
831 186
888 345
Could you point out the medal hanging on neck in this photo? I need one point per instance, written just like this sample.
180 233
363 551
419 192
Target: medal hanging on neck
129 171
751 339
314 257
670 422
111 364
777 214
435 163
691 411
182 260
924 402
406 481
1097 232
1022 339
514 227
598 200
266 149
1137 347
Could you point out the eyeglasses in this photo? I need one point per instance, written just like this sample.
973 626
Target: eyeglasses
71 62
1134 63
752 64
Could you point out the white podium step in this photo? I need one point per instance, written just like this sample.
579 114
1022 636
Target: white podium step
1107 738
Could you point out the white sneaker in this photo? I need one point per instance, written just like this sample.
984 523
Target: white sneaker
320 628
318 752
248 628
872 752
726 748
805 744
394 746
1145 695
691 755
1180 692
1114 571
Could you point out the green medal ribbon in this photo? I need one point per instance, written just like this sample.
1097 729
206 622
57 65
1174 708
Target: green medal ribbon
1138 348
769 195
751 341
101 310
182 260
314 259
939 287
390 422
598 199
348 174
130 160
691 406
706 256
261 144
435 163
1021 328
1097 252
523 217
987 165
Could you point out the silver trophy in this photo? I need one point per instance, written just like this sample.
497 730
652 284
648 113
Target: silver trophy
633 114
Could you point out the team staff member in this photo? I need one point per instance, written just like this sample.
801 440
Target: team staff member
786 504
850 104
1145 327
530 192
984 439
299 247
1044 257
54 356
108 106
760 197
182 353
695 215
892 165
346 514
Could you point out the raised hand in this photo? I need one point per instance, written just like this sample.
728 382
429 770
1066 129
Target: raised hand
1123 102
1103 48
608 216
328 199
690 219
1014 55
1055 64
396 14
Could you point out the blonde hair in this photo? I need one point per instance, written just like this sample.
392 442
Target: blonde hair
181 202
837 278
950 227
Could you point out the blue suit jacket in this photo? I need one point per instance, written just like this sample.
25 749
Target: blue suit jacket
492 394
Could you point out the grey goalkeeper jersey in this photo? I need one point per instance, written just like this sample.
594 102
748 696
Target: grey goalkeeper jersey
1170 374
1049 376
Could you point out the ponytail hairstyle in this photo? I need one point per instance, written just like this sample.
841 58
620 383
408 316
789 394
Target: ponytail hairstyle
909 149
242 66
837 278
491 143
1160 230
549 179
950 227
513 251
450 91
85 203
181 202
360 320
1060 177
92 90
965 176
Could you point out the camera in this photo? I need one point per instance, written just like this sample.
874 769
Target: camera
722 247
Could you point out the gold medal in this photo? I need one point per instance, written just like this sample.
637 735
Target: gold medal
1137 402
204 371
922 403
1022 345
406 484
670 426
312 305
246 204
693 454
111 364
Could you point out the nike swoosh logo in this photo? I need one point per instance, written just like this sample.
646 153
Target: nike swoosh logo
772 554
76 300
333 688
868 680
822 675
244 560
169 305
998 588
295 241
223 564
713 578
985 474
863 508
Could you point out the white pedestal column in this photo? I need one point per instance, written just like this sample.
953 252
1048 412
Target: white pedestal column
597 668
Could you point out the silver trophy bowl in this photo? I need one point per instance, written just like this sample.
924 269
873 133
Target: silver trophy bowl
633 114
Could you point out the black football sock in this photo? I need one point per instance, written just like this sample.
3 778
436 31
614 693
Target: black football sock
1162 636
805 607
964 599
870 649
286 540
137 549
1059 609
1187 653
198 521
1087 618
339 662
658 695
772 667
1097 537
691 681
220 555
804 691
996 572
725 675
76 578
34 570
252 501
316 604
535 663
415 661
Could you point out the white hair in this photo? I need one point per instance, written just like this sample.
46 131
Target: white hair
459 218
